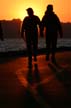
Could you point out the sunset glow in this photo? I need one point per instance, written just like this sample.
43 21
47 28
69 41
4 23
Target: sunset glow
10 9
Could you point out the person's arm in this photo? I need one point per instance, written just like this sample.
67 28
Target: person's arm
1 33
60 31
38 23
60 28
42 27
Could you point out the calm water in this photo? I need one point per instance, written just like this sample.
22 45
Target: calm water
19 44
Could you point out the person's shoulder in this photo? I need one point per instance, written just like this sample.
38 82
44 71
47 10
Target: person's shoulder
35 16
55 15
25 18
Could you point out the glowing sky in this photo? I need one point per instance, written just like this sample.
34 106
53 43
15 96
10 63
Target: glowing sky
10 9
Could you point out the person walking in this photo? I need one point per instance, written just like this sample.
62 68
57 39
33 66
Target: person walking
52 25
29 32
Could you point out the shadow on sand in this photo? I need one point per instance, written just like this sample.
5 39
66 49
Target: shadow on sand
63 74
34 95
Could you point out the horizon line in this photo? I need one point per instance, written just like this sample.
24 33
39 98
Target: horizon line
22 20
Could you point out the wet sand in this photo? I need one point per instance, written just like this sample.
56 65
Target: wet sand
38 87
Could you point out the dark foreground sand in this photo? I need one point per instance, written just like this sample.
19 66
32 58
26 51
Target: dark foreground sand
46 87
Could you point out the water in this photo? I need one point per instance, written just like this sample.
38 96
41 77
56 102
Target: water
19 44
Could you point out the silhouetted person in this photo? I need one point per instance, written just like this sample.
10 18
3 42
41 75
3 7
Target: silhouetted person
29 32
1 32
51 23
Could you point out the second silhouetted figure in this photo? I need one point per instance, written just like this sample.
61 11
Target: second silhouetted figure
29 31
52 25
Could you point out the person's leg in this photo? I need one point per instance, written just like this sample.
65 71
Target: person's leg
47 48
53 51
29 51
35 49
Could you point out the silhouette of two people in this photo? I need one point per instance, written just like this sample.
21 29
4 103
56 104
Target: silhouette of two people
52 25
29 32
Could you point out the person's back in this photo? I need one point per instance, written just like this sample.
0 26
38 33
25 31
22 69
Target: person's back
30 23
51 22
30 26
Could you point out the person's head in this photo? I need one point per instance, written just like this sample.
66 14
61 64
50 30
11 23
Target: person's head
30 11
50 8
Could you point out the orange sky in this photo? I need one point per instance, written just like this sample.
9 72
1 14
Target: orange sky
10 9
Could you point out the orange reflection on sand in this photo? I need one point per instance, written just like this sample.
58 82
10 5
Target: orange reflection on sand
22 79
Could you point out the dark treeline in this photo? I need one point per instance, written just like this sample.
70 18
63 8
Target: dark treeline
11 28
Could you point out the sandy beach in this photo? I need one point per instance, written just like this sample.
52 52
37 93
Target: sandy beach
53 86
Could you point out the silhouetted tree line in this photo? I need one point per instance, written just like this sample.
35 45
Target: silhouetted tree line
11 28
